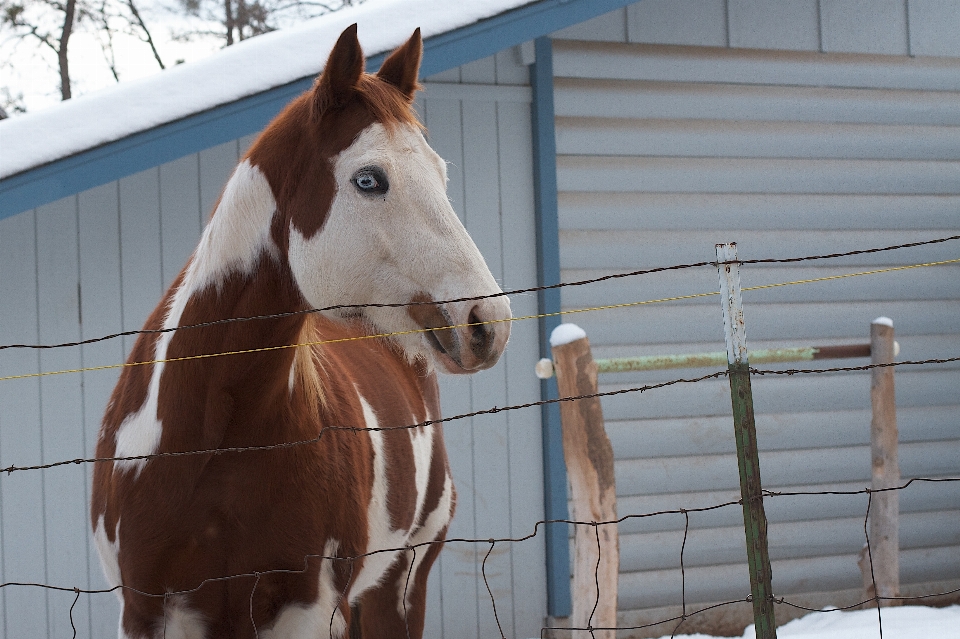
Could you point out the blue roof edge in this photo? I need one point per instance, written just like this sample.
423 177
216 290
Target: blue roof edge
230 121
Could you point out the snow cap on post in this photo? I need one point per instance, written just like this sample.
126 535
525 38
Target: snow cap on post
566 333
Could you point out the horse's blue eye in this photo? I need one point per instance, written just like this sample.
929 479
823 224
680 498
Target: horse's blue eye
371 180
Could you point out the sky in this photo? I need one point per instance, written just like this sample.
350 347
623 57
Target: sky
30 68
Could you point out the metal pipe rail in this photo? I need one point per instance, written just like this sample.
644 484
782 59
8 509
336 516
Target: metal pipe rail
760 356
544 367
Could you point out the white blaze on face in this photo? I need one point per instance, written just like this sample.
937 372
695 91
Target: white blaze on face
378 247
237 235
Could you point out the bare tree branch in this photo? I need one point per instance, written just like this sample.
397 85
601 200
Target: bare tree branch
106 39
243 19
146 32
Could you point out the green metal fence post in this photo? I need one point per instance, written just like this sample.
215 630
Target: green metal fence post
754 519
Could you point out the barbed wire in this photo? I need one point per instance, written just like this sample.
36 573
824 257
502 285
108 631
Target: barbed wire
684 616
477 413
358 429
353 338
531 289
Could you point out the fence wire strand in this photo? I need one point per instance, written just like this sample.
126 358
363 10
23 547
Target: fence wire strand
873 576
488 411
520 291
264 349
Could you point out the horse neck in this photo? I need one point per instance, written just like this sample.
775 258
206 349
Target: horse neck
237 271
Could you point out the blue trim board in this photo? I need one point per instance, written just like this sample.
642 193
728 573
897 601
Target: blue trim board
548 273
220 124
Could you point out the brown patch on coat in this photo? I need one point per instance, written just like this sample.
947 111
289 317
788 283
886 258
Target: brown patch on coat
296 150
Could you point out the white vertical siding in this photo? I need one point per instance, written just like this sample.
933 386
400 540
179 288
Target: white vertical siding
933 27
666 150
102 314
81 267
853 26
893 27
478 119
792 25
22 508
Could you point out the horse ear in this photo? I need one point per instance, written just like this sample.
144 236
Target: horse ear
403 66
341 74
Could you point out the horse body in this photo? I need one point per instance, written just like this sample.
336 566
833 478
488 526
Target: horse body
340 201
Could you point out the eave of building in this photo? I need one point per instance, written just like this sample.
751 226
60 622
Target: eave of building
152 147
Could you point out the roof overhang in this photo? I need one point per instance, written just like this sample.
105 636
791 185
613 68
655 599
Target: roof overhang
141 150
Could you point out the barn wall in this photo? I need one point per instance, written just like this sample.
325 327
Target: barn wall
478 119
84 266
892 27
96 263
677 129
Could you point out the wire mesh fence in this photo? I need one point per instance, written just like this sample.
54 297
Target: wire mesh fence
688 611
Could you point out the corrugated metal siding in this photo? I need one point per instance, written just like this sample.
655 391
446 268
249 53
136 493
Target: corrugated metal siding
97 263
665 151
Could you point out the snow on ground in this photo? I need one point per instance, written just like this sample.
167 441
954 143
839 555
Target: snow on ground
244 69
907 622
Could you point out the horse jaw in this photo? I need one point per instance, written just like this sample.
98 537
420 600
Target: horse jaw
404 246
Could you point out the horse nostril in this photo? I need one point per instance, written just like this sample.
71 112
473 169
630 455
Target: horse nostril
481 336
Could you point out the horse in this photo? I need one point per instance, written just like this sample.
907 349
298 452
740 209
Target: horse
274 491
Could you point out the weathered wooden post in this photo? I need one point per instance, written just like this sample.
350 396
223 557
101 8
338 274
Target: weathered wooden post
884 522
745 430
589 458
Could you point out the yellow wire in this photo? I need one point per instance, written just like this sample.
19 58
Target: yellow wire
423 330
838 277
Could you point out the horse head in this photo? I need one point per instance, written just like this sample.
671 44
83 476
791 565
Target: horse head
362 215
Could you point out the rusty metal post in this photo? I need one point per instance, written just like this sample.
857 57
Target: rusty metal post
589 460
748 458
885 506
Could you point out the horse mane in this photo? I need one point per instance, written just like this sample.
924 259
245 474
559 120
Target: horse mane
308 362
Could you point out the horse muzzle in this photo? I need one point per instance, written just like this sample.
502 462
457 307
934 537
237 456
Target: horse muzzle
465 337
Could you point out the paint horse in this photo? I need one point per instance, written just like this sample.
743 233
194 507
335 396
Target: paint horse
339 201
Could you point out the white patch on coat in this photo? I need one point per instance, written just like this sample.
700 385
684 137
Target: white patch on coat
182 622
237 235
297 621
421 440
239 231
379 534
437 520
389 248
109 552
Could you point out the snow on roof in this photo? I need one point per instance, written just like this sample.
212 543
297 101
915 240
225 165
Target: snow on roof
244 69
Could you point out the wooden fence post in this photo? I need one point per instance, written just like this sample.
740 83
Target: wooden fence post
884 522
589 458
